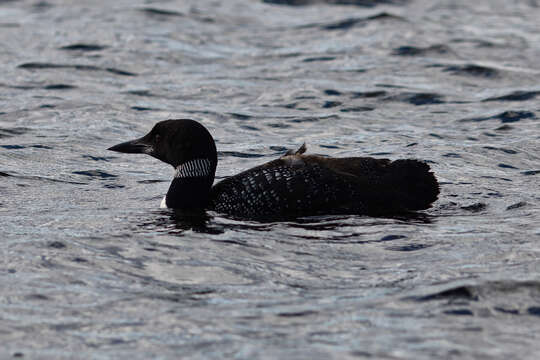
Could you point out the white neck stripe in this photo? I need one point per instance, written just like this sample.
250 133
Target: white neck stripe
193 168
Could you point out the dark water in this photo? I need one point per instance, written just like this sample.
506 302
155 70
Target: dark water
91 268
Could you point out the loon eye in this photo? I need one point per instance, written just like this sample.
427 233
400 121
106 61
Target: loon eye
157 138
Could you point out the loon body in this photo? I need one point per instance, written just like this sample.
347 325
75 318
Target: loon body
293 185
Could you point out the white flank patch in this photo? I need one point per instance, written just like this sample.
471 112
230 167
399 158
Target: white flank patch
163 204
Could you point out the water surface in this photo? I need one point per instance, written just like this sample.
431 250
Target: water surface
91 267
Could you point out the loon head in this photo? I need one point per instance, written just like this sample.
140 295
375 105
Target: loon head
190 149
174 142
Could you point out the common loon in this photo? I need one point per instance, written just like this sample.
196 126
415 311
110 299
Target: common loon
294 185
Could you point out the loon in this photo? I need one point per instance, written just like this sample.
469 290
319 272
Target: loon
294 185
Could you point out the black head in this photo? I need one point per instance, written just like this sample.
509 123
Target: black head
174 142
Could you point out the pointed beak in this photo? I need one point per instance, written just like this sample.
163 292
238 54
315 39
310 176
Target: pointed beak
138 146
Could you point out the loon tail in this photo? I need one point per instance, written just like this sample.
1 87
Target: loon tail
415 185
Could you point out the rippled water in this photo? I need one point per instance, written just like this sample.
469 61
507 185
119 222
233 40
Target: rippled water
90 267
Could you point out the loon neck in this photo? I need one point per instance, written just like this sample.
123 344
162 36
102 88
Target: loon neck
193 168
190 188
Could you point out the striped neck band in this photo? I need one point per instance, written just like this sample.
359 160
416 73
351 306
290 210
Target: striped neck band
193 168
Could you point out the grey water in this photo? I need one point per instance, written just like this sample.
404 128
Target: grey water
90 267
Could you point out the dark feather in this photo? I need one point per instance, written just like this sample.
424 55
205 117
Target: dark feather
304 185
